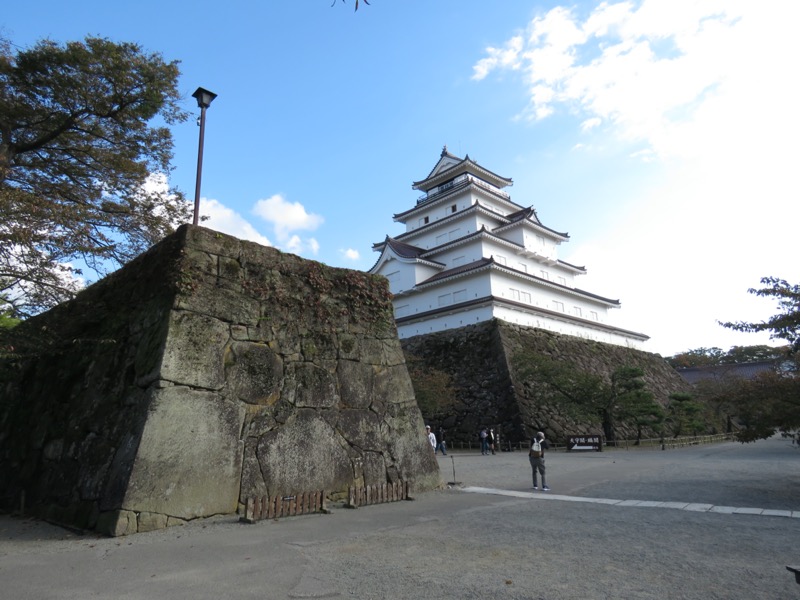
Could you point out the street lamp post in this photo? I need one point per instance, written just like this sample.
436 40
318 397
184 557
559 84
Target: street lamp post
204 100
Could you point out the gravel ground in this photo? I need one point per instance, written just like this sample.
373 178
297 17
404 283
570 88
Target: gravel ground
455 544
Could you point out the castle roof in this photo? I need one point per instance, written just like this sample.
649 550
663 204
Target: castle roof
487 263
450 166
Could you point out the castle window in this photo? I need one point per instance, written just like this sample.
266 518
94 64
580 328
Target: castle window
453 208
559 306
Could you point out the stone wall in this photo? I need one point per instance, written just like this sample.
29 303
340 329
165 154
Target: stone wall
465 379
206 371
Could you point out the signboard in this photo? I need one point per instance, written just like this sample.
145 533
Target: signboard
585 442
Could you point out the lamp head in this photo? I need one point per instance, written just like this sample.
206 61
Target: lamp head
204 97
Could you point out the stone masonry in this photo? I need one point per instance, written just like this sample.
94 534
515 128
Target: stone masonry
465 379
206 371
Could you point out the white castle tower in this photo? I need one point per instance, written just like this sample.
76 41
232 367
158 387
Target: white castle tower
470 254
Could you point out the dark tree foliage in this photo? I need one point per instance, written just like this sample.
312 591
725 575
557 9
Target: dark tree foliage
699 357
760 406
621 397
786 324
770 401
708 357
684 415
83 127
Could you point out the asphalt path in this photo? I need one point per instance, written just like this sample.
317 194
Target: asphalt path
706 522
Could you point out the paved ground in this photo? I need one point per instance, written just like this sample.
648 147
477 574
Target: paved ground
717 521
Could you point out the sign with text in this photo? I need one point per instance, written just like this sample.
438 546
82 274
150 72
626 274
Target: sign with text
585 442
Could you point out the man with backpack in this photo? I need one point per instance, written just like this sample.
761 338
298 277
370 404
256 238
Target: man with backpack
536 456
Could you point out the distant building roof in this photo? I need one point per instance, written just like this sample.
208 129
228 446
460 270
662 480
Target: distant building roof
749 370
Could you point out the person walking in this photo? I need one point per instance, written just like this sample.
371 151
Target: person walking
483 435
431 437
441 445
490 440
536 457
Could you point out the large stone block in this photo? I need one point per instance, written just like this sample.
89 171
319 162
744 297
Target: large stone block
206 371
189 459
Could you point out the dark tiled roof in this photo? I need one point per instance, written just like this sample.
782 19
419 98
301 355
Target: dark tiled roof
534 309
473 266
530 213
694 375
403 249
485 262
457 167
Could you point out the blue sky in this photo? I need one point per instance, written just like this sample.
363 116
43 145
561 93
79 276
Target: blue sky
662 135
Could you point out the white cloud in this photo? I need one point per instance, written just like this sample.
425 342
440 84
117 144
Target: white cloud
705 91
297 245
591 123
642 67
223 219
507 57
350 254
286 217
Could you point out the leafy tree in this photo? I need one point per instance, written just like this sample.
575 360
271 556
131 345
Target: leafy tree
7 321
761 406
786 324
699 357
744 354
621 397
79 154
707 357
769 402
684 414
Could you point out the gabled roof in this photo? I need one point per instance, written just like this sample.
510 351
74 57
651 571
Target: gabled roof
400 248
450 166
408 250
425 203
448 219
485 263
487 300
405 252
529 214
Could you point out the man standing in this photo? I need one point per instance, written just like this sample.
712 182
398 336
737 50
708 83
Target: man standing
441 445
536 457
431 437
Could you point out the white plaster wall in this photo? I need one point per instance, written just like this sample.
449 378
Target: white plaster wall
543 296
460 255
551 324
441 323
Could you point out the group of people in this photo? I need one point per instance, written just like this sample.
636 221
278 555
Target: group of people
439 444
488 440
487 437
